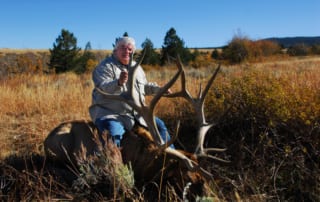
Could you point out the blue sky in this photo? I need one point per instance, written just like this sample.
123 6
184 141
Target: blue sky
35 24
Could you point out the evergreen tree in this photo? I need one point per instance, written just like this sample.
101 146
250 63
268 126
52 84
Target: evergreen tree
84 63
64 55
174 46
151 56
215 54
125 34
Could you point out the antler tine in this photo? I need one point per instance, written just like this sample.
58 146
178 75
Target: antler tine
136 97
202 95
199 101
213 77
166 87
192 165
175 136
183 92
151 118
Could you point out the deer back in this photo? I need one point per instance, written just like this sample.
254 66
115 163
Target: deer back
66 142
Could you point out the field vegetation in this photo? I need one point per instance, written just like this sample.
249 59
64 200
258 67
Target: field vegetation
267 115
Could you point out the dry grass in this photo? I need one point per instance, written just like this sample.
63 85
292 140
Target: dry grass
20 51
32 105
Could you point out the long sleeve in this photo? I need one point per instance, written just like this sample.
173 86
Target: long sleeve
149 88
105 76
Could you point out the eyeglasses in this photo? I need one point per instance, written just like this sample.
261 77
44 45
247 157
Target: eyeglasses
126 48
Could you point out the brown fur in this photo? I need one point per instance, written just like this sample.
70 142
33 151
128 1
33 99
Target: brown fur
153 165
70 139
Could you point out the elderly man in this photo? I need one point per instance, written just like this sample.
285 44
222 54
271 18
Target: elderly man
111 76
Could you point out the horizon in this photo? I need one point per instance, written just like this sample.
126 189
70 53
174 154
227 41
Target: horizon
47 49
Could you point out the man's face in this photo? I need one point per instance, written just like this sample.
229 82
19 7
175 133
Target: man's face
123 53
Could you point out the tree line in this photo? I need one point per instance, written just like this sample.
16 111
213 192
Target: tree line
65 55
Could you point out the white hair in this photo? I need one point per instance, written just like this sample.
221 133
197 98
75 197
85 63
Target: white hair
125 40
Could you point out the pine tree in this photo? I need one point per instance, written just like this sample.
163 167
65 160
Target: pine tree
174 46
65 53
151 56
86 61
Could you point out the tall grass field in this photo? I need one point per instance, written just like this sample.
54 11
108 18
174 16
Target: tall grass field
267 116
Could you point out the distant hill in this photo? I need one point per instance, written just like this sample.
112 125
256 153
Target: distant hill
290 41
285 42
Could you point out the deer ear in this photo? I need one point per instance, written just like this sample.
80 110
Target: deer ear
143 132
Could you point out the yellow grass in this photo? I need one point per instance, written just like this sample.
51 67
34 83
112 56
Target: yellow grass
20 51
32 105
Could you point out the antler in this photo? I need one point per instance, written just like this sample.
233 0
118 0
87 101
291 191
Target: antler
198 105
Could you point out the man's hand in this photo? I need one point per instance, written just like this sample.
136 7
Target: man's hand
123 79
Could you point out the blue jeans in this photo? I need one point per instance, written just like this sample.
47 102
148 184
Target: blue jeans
116 129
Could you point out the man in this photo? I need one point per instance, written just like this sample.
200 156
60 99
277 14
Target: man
111 76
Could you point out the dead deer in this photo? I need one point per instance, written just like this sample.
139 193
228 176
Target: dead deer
153 162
